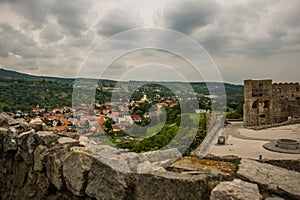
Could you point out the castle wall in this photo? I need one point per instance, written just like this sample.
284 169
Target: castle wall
268 103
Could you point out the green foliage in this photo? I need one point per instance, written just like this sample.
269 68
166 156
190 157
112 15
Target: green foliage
196 142
108 123
172 135
237 163
136 130
157 141
24 94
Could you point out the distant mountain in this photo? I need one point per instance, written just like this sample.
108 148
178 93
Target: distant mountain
19 75
20 91
13 74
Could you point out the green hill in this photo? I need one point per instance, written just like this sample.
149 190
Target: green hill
19 75
20 91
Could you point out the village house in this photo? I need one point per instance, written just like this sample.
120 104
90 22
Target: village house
136 118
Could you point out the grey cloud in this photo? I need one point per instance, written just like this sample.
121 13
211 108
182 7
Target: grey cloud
286 23
30 65
12 40
33 10
253 28
70 15
51 33
186 16
116 21
244 35
260 48
85 41
278 32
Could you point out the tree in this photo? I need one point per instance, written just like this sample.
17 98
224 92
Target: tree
108 123
139 112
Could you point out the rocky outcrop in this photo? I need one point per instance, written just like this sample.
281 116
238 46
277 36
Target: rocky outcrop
271 178
46 137
9 141
192 164
236 190
39 164
76 167
6 120
105 182
38 125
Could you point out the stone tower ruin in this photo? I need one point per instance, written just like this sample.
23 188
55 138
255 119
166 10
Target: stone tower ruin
267 103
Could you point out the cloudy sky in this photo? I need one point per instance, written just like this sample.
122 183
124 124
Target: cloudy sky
244 38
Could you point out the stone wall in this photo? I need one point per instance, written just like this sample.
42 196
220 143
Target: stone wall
267 103
38 163
215 122
43 164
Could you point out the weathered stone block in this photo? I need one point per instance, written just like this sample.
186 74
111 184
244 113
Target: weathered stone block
20 172
147 167
22 126
9 144
26 142
67 140
154 156
236 190
132 159
37 124
5 119
75 170
39 154
12 132
54 165
105 182
275 179
170 185
3 132
115 163
46 137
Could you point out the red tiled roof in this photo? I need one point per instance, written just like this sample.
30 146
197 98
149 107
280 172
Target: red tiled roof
51 117
61 128
90 118
64 121
68 107
140 101
104 111
100 120
80 122
172 105
163 104
102 127
135 117
98 105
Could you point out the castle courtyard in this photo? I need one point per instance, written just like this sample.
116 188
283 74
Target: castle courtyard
248 143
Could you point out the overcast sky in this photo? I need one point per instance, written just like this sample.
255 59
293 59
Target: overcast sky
246 39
